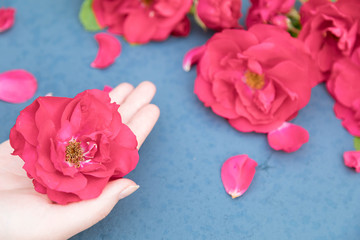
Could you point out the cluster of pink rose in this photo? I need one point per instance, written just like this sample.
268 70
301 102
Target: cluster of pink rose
331 32
155 20
258 79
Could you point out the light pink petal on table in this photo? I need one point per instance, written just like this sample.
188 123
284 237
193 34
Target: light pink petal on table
192 57
7 18
17 86
352 160
288 137
237 173
109 50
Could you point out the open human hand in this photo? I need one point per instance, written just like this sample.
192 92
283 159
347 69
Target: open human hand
27 214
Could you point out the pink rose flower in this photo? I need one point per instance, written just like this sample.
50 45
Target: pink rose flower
344 86
257 79
72 147
219 14
269 11
145 20
330 30
7 18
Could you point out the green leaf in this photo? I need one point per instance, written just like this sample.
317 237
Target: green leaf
87 16
357 143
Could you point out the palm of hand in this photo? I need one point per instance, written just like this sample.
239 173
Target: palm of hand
27 214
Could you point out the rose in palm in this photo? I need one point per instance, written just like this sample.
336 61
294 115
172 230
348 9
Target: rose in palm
257 79
72 147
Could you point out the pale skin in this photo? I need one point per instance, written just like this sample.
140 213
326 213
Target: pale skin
27 214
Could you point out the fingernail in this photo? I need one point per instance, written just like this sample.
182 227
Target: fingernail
127 191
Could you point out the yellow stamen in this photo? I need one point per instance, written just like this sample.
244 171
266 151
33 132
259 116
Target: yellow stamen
74 153
254 80
147 2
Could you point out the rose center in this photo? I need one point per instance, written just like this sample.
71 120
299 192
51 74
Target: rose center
147 2
74 153
254 80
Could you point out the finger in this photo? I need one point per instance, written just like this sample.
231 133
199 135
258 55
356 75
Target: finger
143 122
142 95
120 92
76 217
10 163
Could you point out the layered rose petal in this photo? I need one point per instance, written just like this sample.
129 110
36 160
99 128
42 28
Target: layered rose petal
7 18
182 29
237 174
350 118
288 137
352 160
144 30
220 14
330 29
61 197
72 147
109 50
140 22
269 11
17 86
93 187
344 86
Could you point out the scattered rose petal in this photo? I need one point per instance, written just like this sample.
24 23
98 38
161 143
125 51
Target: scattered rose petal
107 88
109 50
357 143
288 137
192 57
237 173
17 86
7 18
352 159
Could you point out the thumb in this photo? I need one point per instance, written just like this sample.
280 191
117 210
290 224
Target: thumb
71 219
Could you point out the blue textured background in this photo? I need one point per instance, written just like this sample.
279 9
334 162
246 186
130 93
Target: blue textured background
308 194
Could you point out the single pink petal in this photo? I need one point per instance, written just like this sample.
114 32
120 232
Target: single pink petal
109 50
288 137
192 57
17 86
352 159
107 88
237 173
7 18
